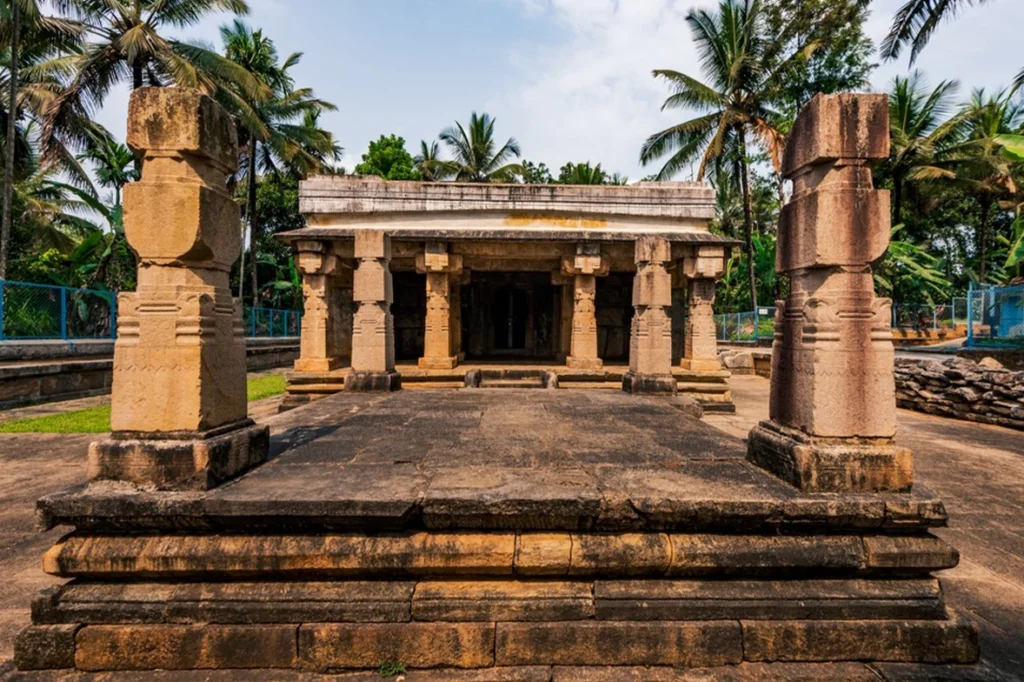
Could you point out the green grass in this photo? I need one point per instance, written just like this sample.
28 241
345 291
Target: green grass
97 419
266 386
92 420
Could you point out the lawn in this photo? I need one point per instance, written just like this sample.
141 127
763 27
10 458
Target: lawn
97 419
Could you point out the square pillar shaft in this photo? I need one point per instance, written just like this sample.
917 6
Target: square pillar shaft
373 327
700 349
318 351
584 269
702 268
650 346
439 339
179 410
833 402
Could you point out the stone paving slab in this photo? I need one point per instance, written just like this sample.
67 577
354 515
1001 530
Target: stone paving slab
496 460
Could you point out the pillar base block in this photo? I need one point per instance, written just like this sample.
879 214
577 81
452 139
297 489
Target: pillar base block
383 382
701 364
658 384
438 363
584 363
183 460
318 364
830 465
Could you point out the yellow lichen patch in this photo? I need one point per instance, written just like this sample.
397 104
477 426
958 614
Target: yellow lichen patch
555 221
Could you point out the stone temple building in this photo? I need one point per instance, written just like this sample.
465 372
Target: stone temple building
583 283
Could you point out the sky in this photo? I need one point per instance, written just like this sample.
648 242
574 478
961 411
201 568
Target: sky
569 79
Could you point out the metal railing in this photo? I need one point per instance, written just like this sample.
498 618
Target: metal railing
749 327
998 314
31 311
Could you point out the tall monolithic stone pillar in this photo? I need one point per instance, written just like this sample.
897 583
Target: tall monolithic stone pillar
318 265
179 414
833 404
650 344
373 327
585 267
439 339
702 268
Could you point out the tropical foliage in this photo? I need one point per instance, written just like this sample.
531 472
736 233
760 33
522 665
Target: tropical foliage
955 168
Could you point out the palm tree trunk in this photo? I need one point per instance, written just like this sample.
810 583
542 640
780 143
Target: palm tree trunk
986 208
251 214
897 209
12 117
748 220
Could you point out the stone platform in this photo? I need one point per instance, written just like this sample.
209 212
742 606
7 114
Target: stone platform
710 389
497 530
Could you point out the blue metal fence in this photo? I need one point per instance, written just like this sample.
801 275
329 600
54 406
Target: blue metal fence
998 313
751 326
43 311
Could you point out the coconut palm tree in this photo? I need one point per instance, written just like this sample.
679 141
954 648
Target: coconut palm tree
126 44
113 165
428 161
582 174
742 71
475 156
278 126
919 128
916 21
27 38
979 164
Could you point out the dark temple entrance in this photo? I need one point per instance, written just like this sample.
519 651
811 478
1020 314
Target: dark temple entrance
510 315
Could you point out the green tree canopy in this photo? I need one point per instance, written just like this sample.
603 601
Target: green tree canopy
388 158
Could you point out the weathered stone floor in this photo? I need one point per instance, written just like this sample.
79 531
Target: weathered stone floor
497 459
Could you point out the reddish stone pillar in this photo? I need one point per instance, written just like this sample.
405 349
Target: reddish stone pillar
833 404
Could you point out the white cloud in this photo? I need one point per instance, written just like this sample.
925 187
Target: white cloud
593 96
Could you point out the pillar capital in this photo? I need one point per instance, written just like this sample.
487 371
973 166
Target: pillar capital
315 258
436 258
588 261
833 403
707 262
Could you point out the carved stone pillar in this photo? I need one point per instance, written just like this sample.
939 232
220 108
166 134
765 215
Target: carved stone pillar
567 283
585 268
440 350
317 346
373 327
833 405
650 344
702 268
179 412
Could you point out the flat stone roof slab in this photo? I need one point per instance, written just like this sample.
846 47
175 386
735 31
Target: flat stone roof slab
495 459
332 194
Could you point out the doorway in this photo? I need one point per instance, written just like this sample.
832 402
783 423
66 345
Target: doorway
510 315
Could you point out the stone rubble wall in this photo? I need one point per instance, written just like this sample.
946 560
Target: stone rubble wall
962 389
957 388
